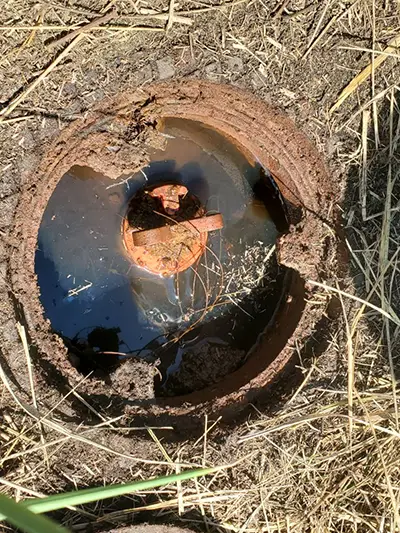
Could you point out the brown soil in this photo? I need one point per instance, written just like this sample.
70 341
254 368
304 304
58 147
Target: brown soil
303 242
129 122
204 367
134 380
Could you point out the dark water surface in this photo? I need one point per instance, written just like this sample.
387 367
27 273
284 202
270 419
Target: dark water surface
95 297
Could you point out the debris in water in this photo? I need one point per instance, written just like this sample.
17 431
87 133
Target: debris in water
228 294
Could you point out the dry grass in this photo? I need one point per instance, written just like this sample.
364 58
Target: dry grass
328 459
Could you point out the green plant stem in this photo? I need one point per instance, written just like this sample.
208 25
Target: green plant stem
80 497
25 520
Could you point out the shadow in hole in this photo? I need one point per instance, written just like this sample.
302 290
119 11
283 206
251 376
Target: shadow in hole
269 400
250 330
365 200
206 367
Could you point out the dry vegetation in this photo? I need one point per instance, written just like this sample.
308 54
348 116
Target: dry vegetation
328 458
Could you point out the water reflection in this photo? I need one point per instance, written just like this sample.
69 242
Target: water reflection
97 299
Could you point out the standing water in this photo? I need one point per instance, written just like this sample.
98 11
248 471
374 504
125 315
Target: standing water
198 324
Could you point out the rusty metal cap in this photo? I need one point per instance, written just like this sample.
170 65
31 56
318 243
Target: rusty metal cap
176 245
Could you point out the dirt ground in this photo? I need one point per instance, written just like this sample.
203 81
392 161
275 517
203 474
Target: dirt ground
322 452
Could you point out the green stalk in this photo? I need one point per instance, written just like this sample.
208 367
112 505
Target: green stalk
80 497
25 520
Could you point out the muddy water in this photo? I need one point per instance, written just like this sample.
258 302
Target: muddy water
100 302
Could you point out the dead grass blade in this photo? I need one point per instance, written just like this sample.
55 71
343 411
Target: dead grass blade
171 18
205 498
365 73
317 27
364 168
365 106
213 7
393 318
374 106
328 26
68 434
350 366
384 243
24 94
87 27
22 334
280 9
16 119
73 27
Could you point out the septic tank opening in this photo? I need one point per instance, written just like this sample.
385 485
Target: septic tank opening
174 264
214 327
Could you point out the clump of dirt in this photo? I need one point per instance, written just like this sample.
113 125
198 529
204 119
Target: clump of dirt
305 247
203 367
113 155
134 379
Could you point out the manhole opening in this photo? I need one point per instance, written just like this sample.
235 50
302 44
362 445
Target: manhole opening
193 302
